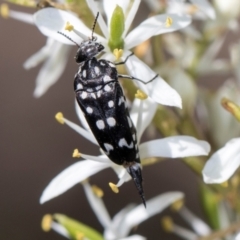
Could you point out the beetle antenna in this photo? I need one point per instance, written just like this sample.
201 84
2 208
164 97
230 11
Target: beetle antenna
66 36
94 24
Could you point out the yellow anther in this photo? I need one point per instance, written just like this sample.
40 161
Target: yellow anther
176 206
79 236
141 95
97 191
69 27
224 184
149 161
76 153
231 107
117 53
192 9
114 187
59 117
4 10
168 22
46 222
167 224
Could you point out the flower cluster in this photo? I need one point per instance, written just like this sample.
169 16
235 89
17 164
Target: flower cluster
172 56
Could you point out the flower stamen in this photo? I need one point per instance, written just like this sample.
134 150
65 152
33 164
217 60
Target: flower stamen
97 191
59 117
167 224
114 187
176 206
79 236
4 10
168 22
117 53
47 222
141 95
76 153
69 27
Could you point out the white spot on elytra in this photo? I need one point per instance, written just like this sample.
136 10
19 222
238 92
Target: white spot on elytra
98 87
97 70
84 73
106 78
120 101
100 124
137 155
93 95
79 86
89 90
99 93
134 137
89 110
110 103
102 63
107 88
122 142
83 95
108 147
111 121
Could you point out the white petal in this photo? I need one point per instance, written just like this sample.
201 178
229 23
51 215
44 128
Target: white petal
87 134
39 56
131 16
147 113
154 26
206 7
97 205
174 147
51 20
140 214
223 163
123 177
158 89
100 158
197 224
71 176
111 232
92 5
52 68
24 17
60 229
81 116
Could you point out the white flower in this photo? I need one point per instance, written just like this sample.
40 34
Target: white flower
199 227
223 163
229 9
142 113
222 124
125 220
50 21
54 55
198 8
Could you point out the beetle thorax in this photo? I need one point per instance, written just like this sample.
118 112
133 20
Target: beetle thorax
87 50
